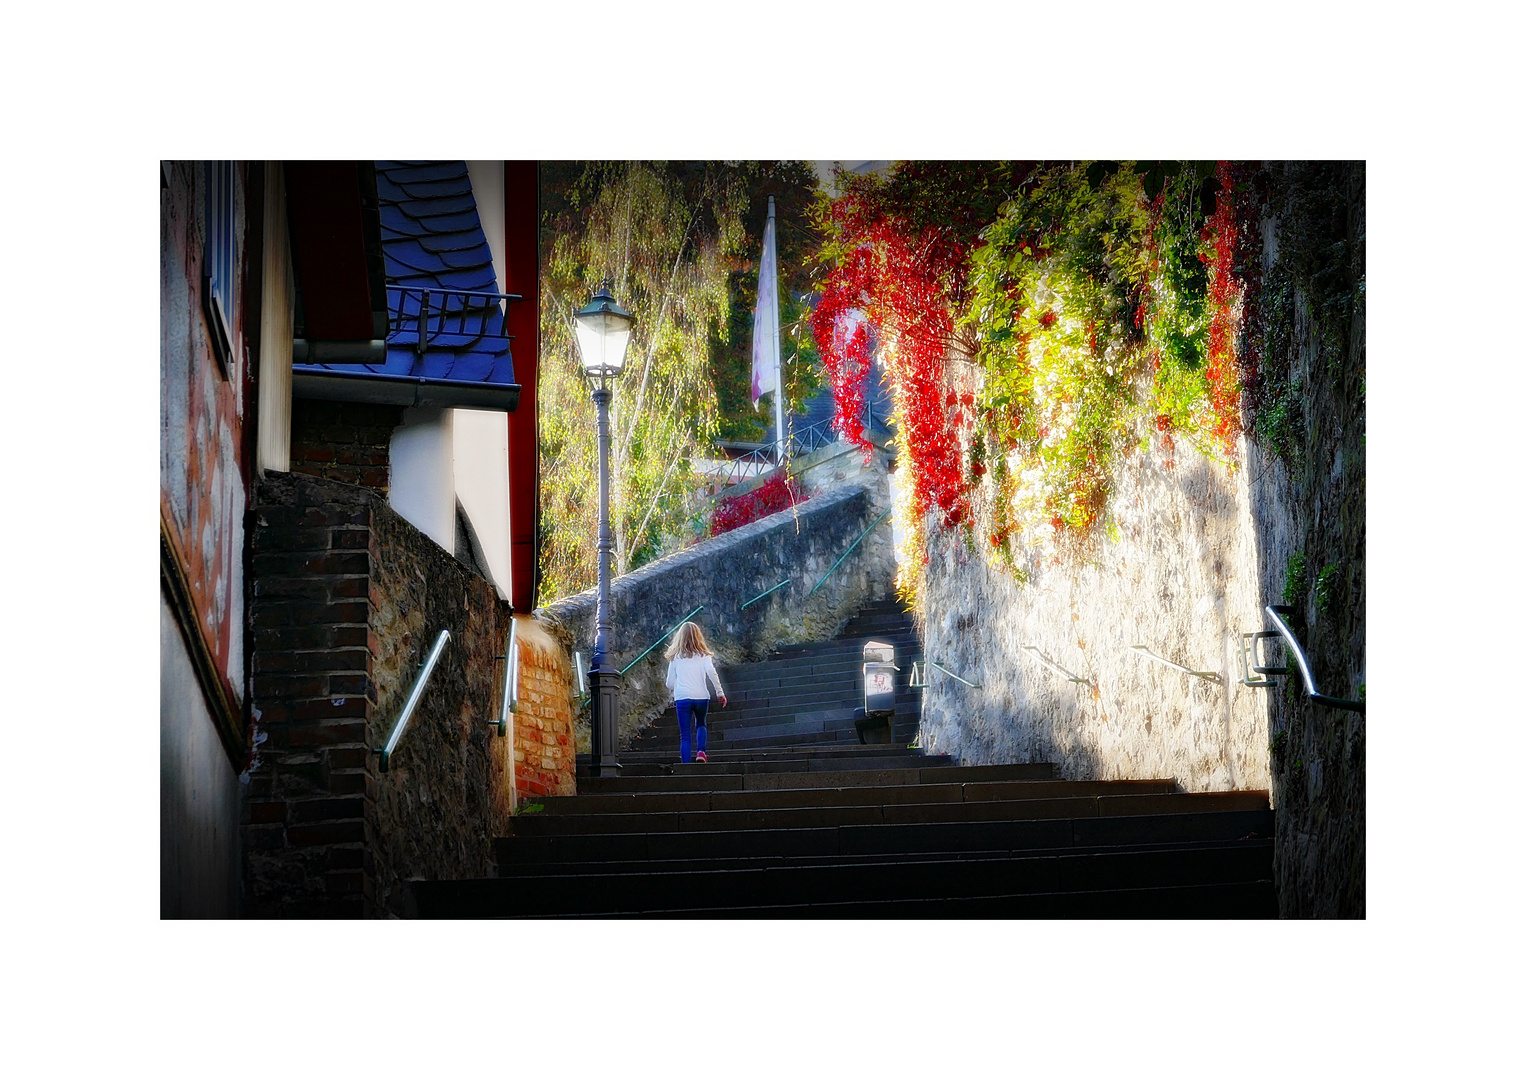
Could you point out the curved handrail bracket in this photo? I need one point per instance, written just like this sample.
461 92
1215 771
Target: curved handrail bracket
1275 613
1248 656
420 681
1052 666
1142 650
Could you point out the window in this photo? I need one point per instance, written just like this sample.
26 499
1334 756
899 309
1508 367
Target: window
220 265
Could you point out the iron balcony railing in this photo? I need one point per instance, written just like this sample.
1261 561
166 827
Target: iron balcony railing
446 318
757 462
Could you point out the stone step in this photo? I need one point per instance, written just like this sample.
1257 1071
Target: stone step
729 719
863 840
815 688
872 812
1241 900
772 798
843 649
841 771
822 757
522 869
813 671
1018 874
764 754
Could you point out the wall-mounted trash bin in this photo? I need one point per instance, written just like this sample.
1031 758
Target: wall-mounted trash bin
879 691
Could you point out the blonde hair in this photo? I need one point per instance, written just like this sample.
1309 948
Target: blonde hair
689 641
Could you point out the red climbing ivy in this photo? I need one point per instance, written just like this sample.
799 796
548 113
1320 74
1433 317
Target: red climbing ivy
774 494
1221 236
1093 302
898 276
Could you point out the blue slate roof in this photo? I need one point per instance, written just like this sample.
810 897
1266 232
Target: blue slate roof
433 238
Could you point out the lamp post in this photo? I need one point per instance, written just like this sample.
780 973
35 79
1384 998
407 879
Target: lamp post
603 331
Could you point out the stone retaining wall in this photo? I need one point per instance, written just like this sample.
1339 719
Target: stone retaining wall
723 573
1181 578
349 598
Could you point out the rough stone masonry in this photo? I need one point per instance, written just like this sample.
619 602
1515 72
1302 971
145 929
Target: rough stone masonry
721 575
1180 579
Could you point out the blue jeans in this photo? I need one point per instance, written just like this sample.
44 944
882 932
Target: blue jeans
697 707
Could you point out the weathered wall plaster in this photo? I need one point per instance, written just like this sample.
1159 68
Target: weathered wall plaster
1181 578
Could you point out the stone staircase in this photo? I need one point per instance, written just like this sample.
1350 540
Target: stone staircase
805 695
793 818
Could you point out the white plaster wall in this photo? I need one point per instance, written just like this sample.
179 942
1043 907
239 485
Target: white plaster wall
481 438
198 794
423 487
487 190
481 451
1181 578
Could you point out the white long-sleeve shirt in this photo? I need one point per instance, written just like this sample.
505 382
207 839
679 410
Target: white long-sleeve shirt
687 676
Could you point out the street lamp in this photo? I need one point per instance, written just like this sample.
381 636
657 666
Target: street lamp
604 330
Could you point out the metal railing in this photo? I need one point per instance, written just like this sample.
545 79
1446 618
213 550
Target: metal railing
1275 613
845 554
1052 666
420 681
1142 650
510 702
918 680
449 318
660 640
753 463
764 593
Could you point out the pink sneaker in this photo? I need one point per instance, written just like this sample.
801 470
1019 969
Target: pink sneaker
701 756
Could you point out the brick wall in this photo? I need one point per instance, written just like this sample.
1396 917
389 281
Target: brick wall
348 599
544 751
306 830
346 441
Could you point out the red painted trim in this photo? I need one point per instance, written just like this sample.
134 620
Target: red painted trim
522 275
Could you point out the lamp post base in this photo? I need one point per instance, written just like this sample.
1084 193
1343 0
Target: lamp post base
605 683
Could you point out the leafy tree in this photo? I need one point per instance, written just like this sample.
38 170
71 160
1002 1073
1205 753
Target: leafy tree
680 242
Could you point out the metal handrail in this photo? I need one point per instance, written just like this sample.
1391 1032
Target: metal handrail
918 680
660 640
1275 612
510 680
764 593
1052 666
845 554
420 681
1212 676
